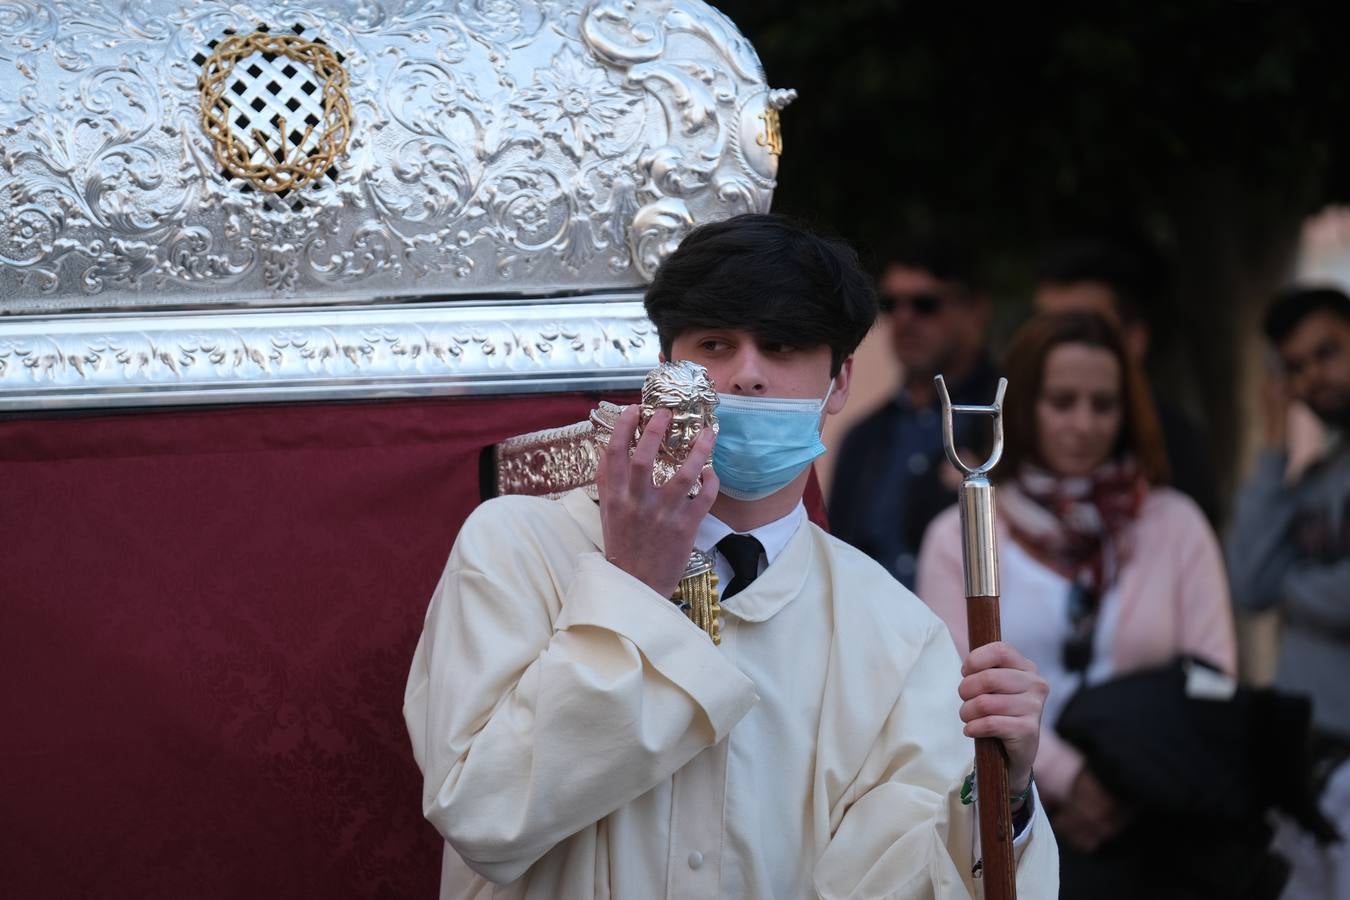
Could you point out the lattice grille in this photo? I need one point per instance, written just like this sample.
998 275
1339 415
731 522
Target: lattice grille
268 92
275 107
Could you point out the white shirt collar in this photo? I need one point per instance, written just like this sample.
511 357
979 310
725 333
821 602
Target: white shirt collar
773 537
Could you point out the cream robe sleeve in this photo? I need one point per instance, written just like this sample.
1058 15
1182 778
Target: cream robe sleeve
900 830
550 688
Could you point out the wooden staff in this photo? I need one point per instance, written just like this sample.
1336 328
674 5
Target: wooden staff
975 499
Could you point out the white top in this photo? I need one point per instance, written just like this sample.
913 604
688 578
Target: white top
1034 618
580 738
1172 599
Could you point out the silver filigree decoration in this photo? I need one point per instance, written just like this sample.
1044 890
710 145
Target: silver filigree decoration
547 463
514 146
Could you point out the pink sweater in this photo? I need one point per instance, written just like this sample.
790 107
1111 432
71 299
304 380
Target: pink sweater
1173 599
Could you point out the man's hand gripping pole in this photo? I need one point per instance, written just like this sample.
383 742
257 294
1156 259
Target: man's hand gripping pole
975 499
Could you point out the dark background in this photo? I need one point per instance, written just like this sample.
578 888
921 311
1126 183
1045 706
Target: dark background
1200 133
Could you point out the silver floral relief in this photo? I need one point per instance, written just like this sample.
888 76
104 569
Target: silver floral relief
530 147
388 350
548 463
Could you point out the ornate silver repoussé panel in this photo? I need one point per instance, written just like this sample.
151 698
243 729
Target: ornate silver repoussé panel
502 178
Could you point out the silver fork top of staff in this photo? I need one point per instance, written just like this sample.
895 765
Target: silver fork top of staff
995 410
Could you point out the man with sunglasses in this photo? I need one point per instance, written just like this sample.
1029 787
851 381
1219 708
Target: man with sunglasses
889 480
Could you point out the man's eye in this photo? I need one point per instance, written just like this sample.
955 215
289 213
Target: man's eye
712 345
779 347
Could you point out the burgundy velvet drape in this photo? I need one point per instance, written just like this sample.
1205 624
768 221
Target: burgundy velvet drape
206 619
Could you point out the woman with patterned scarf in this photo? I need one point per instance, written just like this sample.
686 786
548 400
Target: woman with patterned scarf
1105 571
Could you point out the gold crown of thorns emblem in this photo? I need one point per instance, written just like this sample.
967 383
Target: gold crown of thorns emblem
288 165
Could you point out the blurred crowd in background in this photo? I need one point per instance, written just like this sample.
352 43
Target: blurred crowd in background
1174 531
1127 570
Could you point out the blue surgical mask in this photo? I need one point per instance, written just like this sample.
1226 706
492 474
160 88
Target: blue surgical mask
764 442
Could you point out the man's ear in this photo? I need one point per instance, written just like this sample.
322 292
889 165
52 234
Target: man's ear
839 396
661 358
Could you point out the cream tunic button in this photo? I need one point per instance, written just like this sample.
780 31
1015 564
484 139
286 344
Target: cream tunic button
695 860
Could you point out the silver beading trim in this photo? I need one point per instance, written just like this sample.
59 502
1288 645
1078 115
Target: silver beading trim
155 359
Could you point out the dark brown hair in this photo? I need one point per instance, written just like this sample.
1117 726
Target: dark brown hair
770 276
1294 304
1024 364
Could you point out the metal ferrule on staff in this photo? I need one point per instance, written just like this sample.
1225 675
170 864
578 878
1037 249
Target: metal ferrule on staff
975 498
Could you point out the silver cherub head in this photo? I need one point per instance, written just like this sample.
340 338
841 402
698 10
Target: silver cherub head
682 387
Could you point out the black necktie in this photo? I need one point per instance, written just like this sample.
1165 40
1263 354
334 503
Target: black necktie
742 551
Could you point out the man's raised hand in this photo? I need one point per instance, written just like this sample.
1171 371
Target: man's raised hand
1004 696
648 530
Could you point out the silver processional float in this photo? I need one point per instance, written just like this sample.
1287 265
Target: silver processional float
235 203
222 205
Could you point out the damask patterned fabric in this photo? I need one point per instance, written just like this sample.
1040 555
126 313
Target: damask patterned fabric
206 621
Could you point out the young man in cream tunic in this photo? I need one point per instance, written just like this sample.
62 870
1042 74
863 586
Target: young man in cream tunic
580 737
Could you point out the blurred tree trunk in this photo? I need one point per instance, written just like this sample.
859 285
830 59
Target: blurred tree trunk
1236 240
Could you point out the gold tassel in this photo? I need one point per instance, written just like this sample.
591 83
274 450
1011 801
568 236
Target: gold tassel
696 595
